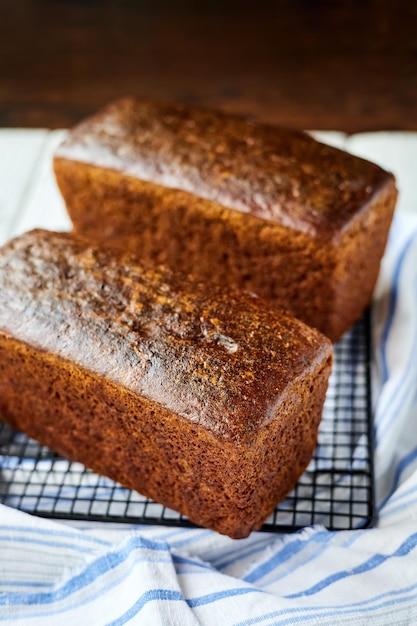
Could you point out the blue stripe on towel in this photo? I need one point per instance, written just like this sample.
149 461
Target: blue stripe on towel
392 305
405 389
372 563
405 462
149 596
284 555
52 532
168 595
93 571
292 615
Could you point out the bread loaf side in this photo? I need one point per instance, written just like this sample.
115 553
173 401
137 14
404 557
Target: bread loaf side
243 204
205 401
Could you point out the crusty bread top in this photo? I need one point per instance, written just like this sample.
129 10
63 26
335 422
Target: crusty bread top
275 174
225 361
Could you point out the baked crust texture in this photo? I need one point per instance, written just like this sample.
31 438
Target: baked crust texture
204 401
237 202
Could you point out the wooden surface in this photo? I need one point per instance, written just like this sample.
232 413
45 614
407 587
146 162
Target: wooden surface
349 65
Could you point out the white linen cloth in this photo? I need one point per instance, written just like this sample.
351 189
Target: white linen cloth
58 573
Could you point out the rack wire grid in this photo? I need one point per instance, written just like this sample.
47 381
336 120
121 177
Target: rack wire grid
337 489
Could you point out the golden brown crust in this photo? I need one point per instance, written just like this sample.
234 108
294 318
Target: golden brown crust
328 286
209 404
310 224
204 354
275 174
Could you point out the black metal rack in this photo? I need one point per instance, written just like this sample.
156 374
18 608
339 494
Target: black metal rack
337 489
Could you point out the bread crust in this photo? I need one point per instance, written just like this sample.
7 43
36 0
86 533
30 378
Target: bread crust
243 204
206 402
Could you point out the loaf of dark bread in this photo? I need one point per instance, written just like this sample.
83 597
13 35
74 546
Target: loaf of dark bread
250 206
204 401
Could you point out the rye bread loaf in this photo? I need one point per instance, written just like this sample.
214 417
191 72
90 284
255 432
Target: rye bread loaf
205 401
247 205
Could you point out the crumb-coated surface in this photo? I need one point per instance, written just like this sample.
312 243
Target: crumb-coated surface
245 205
204 401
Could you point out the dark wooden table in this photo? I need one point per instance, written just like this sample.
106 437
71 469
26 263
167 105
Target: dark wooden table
332 64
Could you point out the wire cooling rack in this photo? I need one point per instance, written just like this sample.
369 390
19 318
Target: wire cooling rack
337 489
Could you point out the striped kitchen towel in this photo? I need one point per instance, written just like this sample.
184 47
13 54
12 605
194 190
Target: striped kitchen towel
56 573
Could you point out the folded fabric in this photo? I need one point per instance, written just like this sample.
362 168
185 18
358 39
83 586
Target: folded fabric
60 574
